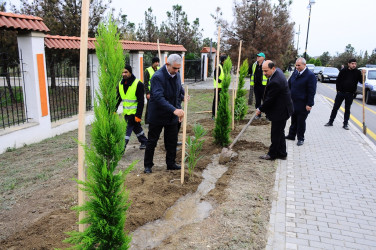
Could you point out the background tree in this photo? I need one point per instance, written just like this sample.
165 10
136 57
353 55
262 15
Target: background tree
149 30
126 28
177 30
107 201
255 23
325 58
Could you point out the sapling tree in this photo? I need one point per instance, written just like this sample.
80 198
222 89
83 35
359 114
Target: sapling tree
223 121
107 199
241 106
194 146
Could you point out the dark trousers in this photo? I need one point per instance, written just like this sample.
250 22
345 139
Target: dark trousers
146 112
278 147
259 95
348 97
134 126
219 99
170 141
298 124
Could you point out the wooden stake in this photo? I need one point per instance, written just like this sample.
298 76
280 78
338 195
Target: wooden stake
184 134
364 113
159 51
81 105
201 112
216 87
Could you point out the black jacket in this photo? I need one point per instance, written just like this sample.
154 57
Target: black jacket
139 94
165 97
347 80
303 89
277 103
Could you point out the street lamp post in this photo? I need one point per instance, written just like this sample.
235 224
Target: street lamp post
311 2
297 45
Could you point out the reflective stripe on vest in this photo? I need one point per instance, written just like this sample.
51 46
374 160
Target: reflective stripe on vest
220 77
264 78
129 99
151 73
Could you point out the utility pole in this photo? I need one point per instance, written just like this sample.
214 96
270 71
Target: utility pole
311 2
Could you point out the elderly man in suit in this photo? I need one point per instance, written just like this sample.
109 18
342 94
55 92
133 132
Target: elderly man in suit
302 84
278 108
165 112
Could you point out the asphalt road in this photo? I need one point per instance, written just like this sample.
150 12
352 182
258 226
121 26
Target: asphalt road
329 91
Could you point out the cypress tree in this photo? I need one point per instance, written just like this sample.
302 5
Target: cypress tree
241 106
107 199
222 123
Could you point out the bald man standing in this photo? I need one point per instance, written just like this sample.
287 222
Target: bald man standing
278 108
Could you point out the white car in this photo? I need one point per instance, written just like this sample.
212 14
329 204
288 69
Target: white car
311 67
370 85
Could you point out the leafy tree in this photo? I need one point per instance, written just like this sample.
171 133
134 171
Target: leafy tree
241 106
325 58
149 31
107 202
178 30
318 62
126 28
261 27
222 123
372 58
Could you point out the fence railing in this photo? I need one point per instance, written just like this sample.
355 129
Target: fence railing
12 98
63 90
192 70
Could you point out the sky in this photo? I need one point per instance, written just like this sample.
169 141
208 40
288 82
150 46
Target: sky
333 25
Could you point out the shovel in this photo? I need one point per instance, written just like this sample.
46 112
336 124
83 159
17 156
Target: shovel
227 154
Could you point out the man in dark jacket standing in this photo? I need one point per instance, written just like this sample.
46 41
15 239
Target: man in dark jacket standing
302 84
165 112
131 92
346 83
278 108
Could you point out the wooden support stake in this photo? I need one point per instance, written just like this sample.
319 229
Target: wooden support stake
201 112
159 51
184 133
81 105
216 87
364 113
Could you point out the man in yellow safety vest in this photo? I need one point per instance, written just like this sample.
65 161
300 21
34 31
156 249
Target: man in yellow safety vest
149 72
131 92
258 81
221 76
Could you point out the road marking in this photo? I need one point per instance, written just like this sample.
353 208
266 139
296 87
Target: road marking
370 110
356 121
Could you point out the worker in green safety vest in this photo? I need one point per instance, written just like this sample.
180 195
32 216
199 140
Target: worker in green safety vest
149 72
131 92
221 76
258 81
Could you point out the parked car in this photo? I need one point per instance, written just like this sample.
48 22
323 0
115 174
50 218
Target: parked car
311 67
329 74
317 70
370 85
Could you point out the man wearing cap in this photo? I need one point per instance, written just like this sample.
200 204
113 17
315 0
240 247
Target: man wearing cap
149 72
131 92
258 81
221 76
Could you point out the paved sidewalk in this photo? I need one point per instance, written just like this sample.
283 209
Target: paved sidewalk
325 192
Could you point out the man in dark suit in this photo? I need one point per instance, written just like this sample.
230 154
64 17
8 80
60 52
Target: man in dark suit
278 108
302 84
165 112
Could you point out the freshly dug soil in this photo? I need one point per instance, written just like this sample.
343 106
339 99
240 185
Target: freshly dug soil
37 190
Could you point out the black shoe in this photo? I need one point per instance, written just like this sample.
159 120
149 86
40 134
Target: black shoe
174 167
148 171
179 143
266 157
289 137
346 127
142 146
300 142
329 124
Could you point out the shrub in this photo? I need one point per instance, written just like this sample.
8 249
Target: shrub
222 123
107 199
241 106
194 146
